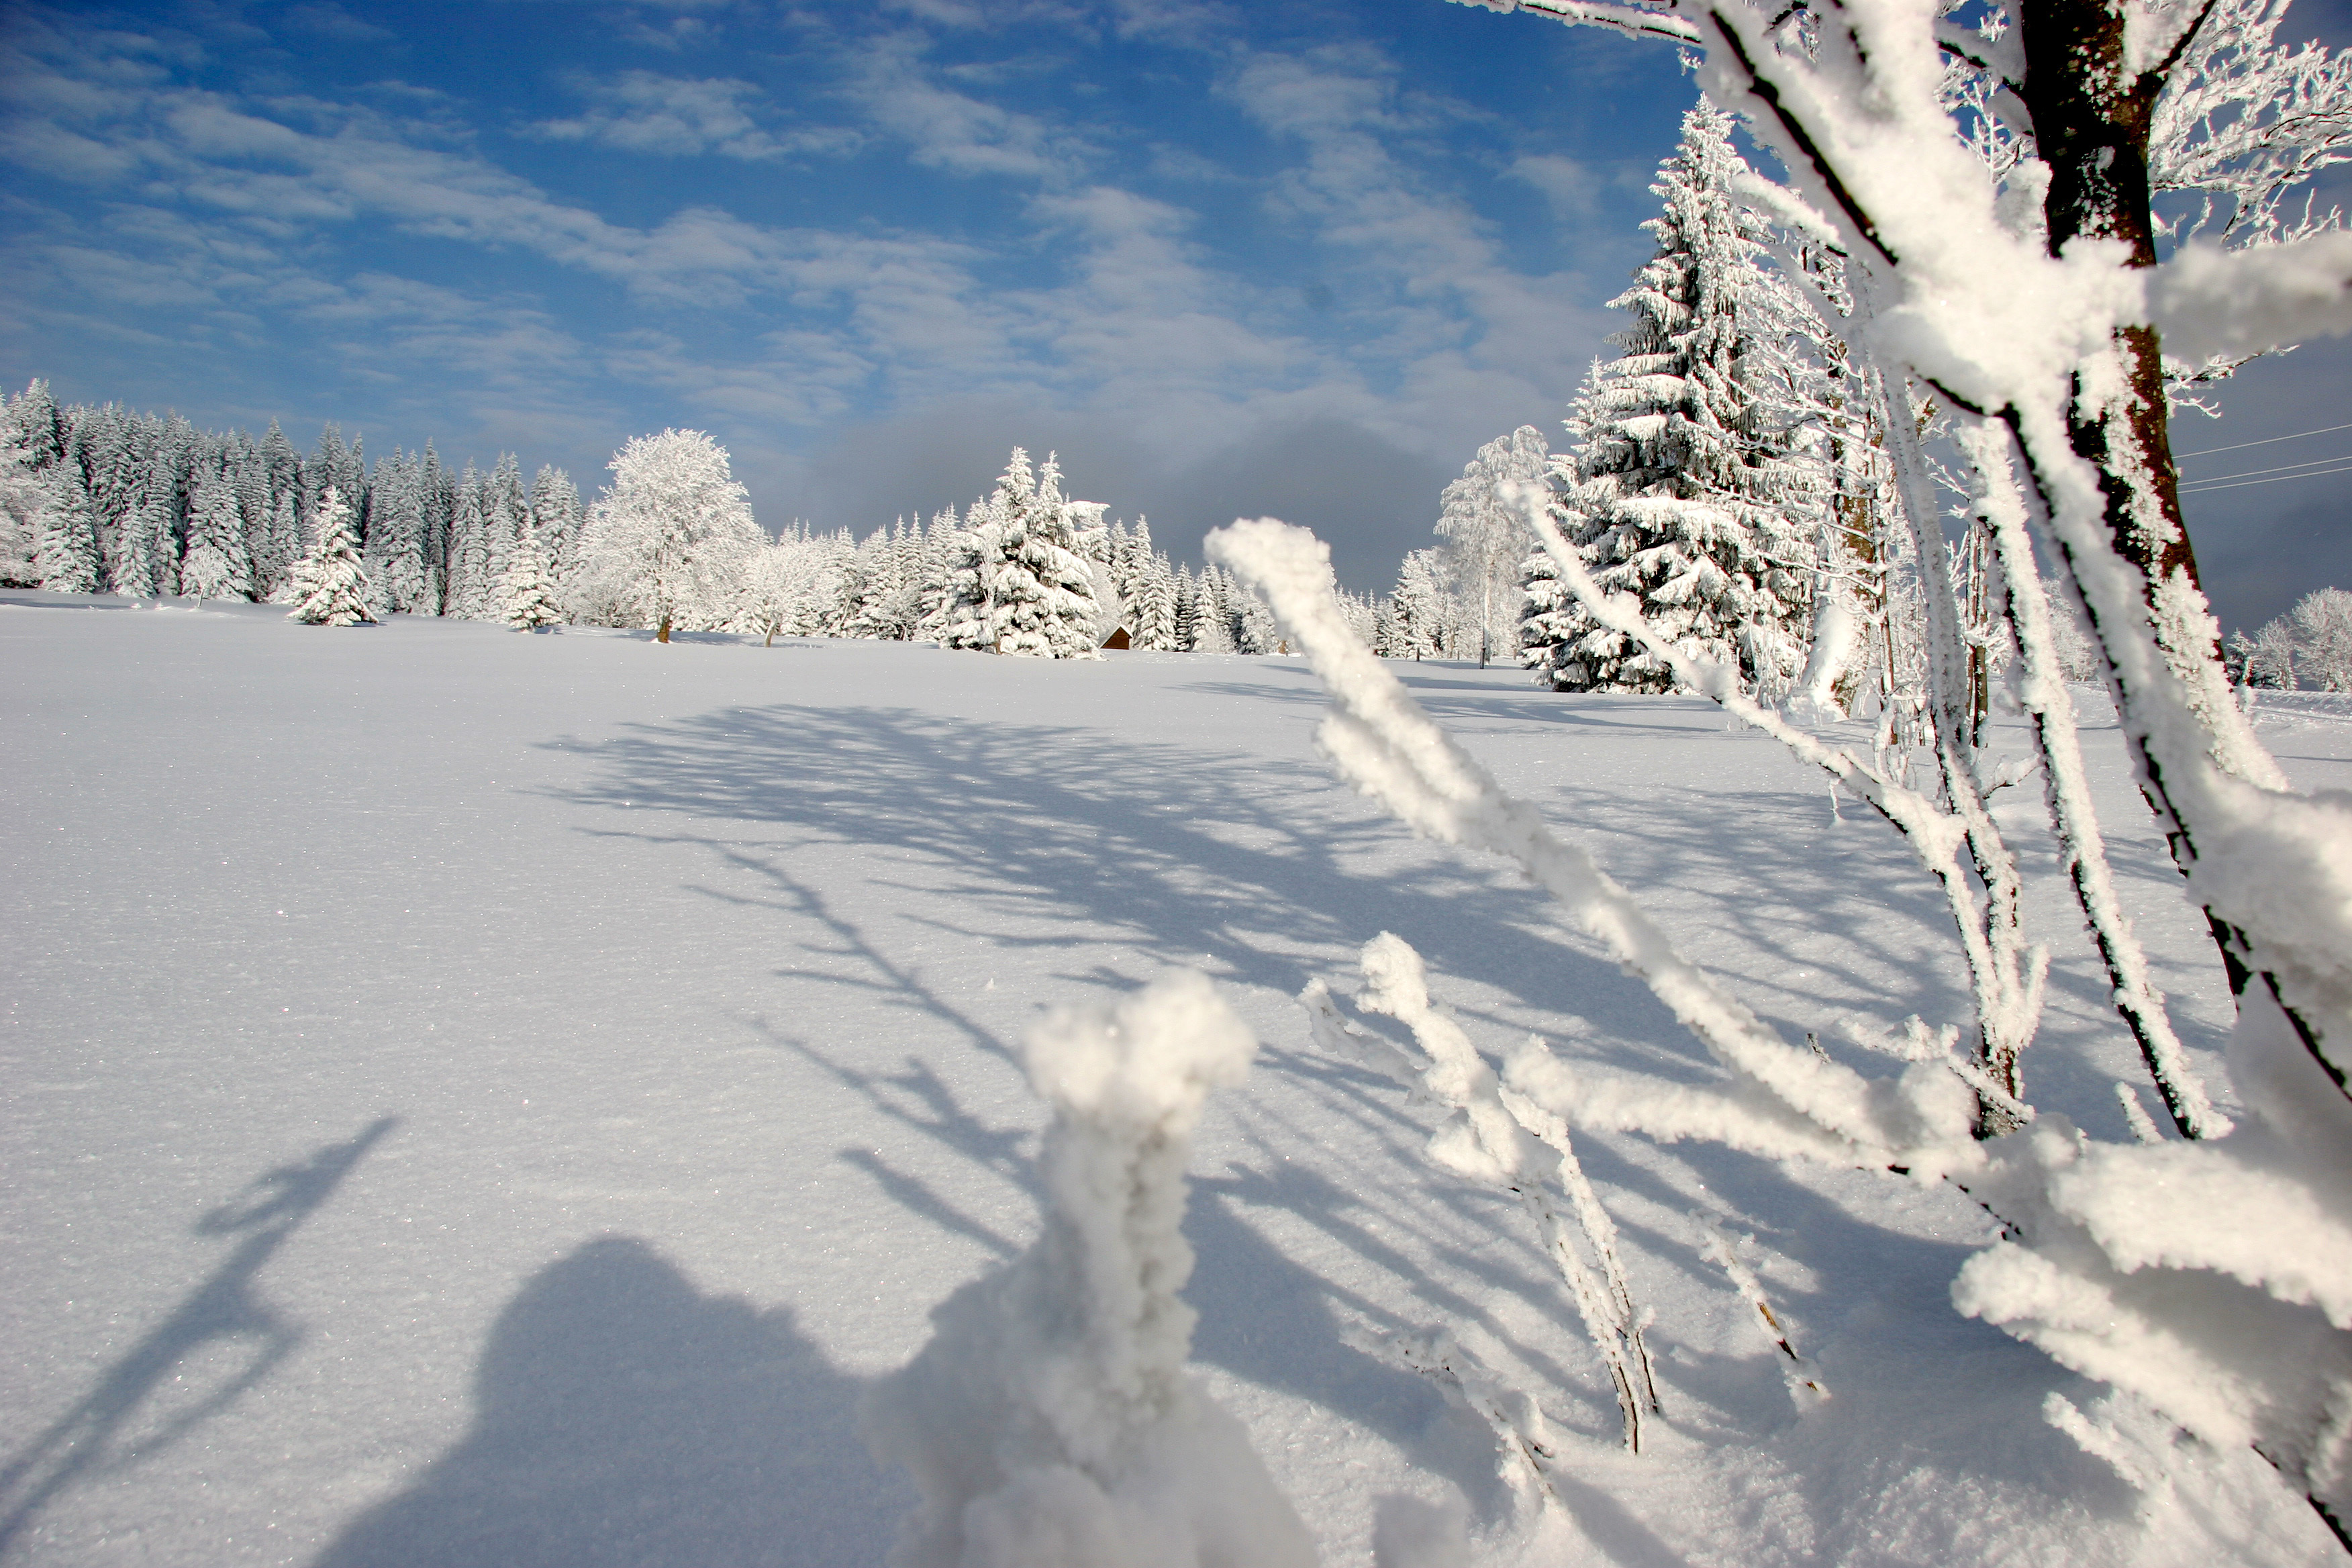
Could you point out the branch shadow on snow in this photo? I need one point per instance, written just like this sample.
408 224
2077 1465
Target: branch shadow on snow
1012 835
623 1417
127 1418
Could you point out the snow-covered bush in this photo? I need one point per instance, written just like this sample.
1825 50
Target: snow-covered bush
1050 1420
668 539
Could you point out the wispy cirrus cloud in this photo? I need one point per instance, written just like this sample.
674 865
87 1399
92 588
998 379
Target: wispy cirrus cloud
641 111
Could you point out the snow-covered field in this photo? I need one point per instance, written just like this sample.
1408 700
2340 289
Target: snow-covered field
486 1099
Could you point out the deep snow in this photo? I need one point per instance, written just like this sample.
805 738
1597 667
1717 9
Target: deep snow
479 1099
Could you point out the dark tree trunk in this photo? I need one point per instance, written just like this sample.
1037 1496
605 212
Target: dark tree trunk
2091 124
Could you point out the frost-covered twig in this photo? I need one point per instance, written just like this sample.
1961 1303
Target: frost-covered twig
1521 1434
2006 975
1488 1138
1717 1249
1051 1413
1783 1099
2042 689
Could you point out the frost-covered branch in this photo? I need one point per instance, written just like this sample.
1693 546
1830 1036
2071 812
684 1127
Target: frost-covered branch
2006 975
1781 1097
1496 1137
2042 689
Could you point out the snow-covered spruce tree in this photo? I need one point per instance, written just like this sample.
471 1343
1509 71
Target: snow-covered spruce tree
395 552
471 588
331 586
526 597
975 561
1154 608
1420 608
1045 605
555 517
46 537
1487 536
1686 489
1213 614
275 540
672 532
216 565
506 508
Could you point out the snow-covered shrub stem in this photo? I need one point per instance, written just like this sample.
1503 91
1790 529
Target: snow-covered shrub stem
1783 1099
1488 1138
1051 1419
2006 974
1717 1249
2042 689
2006 977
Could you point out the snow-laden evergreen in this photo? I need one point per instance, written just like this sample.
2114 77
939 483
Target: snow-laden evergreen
1686 487
527 591
1042 604
330 583
216 565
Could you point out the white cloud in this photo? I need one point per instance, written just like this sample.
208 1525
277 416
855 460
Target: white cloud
1572 189
945 129
641 111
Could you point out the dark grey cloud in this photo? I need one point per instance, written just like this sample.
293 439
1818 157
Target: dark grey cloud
1368 498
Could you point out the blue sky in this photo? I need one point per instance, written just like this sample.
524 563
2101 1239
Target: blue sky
1227 258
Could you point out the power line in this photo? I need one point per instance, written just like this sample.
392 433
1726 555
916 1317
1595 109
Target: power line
2208 451
2240 484
2283 467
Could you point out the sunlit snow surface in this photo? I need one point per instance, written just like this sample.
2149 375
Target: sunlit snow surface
485 1100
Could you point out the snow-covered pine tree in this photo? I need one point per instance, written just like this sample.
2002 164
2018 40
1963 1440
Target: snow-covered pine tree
1213 613
1155 626
275 541
471 588
1045 601
527 589
976 558
1257 632
438 491
935 584
555 517
27 497
1687 489
1420 609
146 564
331 586
39 423
216 565
396 541
506 508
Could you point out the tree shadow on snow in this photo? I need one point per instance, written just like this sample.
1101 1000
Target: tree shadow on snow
129 1417
621 1417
